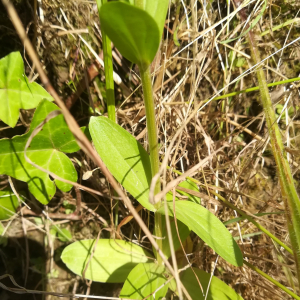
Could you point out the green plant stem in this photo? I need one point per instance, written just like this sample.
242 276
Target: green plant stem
108 69
151 123
110 90
256 88
282 287
153 144
288 190
249 218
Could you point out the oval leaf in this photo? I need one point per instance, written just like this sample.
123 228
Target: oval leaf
158 10
15 90
133 31
143 280
124 156
218 290
112 260
209 228
8 204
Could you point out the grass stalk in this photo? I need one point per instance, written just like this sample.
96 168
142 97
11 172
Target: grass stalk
253 89
288 190
269 278
249 218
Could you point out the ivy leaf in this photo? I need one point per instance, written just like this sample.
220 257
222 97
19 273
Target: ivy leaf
143 280
133 31
15 90
209 228
217 288
8 204
112 259
124 156
46 150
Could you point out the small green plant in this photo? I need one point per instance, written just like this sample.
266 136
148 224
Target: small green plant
114 260
134 168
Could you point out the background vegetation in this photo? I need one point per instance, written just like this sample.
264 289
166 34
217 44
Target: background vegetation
186 74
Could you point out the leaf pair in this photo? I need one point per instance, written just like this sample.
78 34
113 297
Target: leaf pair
135 31
128 161
46 150
120 261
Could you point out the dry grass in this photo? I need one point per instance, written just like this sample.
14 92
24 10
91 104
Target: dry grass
184 78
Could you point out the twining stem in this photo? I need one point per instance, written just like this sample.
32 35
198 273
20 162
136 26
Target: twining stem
288 190
153 144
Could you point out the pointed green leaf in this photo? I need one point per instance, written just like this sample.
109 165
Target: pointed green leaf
8 204
209 228
218 290
112 259
133 31
15 90
45 150
143 280
124 156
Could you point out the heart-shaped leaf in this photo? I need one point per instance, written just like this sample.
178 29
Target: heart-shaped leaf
45 150
209 228
15 90
144 280
8 204
133 31
124 156
218 290
112 259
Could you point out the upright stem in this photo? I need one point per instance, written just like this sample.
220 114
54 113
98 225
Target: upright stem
108 69
153 144
288 190
110 90
151 122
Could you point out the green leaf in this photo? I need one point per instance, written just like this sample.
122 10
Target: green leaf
183 230
8 204
133 31
64 235
124 156
15 90
45 150
112 260
209 228
218 290
158 10
188 184
143 280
